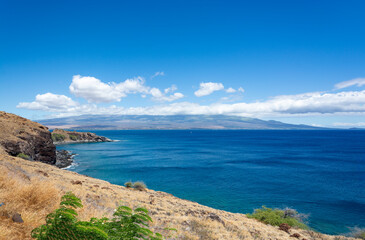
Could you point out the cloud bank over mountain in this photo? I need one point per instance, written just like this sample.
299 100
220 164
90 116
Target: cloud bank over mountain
103 98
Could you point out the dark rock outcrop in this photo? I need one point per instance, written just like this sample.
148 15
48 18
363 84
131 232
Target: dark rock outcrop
17 218
64 158
285 227
21 136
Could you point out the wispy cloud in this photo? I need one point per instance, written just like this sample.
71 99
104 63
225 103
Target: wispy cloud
207 88
157 74
231 90
354 82
347 125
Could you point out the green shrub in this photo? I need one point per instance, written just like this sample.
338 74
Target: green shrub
56 137
73 137
24 156
128 184
63 224
139 185
276 217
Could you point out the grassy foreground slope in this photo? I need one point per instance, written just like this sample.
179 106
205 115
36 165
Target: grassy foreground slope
33 189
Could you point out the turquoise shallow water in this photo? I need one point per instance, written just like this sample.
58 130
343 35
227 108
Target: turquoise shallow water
321 173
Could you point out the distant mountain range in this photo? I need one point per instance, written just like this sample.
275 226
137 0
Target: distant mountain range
114 122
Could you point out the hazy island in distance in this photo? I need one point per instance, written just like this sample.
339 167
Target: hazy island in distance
121 122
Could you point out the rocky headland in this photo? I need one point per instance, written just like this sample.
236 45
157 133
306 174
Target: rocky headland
60 136
29 190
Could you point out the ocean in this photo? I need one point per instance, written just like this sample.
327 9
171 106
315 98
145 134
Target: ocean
320 173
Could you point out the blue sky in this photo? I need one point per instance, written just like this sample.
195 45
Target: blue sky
282 59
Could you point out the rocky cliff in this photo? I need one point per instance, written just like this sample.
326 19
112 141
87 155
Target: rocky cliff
22 137
61 136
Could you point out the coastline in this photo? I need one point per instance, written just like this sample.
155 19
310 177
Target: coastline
64 158
81 141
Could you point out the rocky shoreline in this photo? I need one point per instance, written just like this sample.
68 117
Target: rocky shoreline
81 141
59 136
64 158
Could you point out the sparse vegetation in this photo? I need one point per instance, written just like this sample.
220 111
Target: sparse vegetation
24 156
276 217
56 137
128 184
73 137
125 224
201 230
139 186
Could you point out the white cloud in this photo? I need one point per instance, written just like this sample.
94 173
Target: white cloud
96 91
159 96
208 88
135 85
49 102
158 74
357 81
308 104
231 90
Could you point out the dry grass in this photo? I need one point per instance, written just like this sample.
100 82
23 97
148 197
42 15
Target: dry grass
33 199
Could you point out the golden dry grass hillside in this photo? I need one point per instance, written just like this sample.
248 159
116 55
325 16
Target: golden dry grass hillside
33 189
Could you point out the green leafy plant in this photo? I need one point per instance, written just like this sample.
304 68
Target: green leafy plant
128 184
276 217
63 224
131 224
56 137
24 156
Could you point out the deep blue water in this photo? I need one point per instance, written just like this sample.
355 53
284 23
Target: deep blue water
321 173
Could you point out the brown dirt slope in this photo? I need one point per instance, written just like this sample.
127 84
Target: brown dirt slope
33 189
20 135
